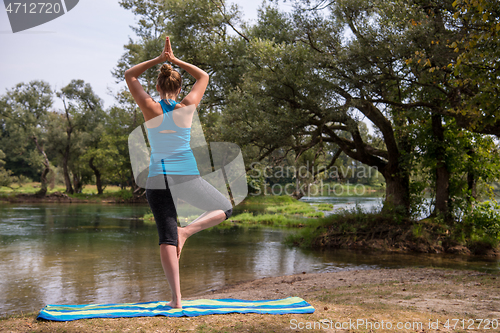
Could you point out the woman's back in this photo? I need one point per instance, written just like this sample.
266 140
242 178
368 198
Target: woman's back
171 152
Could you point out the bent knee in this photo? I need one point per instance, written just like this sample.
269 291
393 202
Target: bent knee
228 213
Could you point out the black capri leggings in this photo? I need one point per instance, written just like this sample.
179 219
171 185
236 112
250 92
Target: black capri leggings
195 190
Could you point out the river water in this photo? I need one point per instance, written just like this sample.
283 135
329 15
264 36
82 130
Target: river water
95 253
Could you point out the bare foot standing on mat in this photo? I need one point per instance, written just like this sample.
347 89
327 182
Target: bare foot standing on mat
165 169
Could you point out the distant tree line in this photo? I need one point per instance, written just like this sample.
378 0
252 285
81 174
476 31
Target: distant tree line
297 88
87 143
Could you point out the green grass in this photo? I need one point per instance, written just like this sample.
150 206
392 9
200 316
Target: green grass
148 218
292 208
430 234
278 211
89 192
324 206
346 223
282 211
268 219
29 188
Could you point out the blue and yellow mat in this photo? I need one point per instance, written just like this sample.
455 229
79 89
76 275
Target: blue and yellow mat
190 308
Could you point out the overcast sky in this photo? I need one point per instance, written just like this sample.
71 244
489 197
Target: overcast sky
85 43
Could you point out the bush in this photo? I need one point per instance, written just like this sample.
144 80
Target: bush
325 206
484 218
123 194
6 177
22 179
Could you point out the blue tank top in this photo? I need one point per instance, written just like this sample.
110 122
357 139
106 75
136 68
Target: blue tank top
171 153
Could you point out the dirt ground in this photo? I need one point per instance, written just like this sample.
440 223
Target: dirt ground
379 300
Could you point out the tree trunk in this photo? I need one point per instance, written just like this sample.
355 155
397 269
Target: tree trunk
69 130
471 180
77 183
471 184
97 176
297 193
67 180
442 189
442 173
397 192
43 179
137 191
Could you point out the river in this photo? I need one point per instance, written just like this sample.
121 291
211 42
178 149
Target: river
96 253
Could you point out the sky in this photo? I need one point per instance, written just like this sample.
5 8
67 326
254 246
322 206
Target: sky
85 43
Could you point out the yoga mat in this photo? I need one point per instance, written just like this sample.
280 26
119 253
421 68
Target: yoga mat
190 308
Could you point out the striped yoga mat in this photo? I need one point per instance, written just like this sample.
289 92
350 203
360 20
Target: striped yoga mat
190 308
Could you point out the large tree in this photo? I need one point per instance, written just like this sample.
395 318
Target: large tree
24 111
475 66
393 59
292 82
80 125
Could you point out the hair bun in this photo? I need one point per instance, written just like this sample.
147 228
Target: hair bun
166 69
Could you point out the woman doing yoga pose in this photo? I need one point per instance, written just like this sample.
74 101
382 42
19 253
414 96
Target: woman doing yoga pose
172 160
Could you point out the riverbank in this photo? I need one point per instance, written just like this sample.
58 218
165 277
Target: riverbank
358 229
406 295
322 226
27 194
387 232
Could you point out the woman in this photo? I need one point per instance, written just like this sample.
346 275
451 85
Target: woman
172 160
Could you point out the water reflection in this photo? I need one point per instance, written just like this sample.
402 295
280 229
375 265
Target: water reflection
85 253
366 204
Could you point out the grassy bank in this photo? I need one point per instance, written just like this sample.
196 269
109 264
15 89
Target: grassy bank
277 211
415 296
89 193
388 232
357 229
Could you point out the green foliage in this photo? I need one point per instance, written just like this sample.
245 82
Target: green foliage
348 222
484 219
148 218
325 206
418 185
305 238
5 175
313 214
260 219
417 230
272 199
81 133
255 184
72 133
24 113
279 210
293 91
475 66
295 208
123 194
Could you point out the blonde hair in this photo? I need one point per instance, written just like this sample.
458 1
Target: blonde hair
169 80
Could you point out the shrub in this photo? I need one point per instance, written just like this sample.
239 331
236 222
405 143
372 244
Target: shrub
123 194
484 218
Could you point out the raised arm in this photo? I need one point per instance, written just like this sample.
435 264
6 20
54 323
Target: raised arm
196 93
146 103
